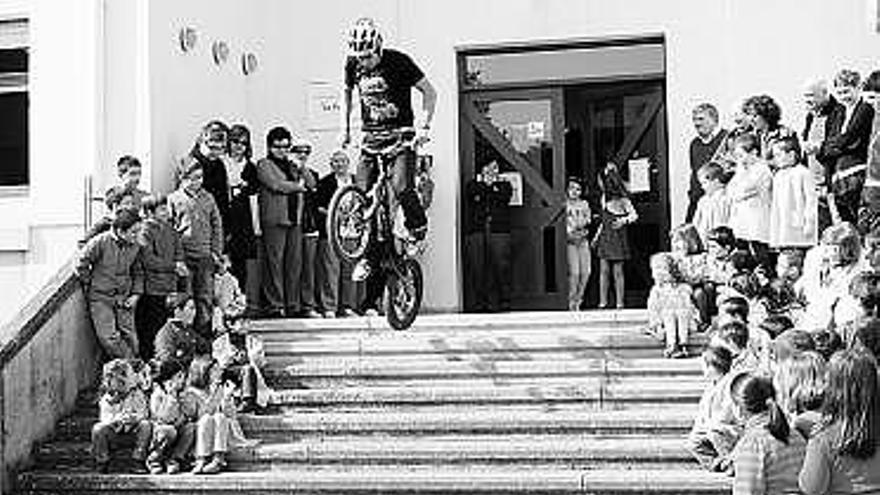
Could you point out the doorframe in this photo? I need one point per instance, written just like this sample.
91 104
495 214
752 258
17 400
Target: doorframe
465 131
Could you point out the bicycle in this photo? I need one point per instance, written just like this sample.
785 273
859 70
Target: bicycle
352 217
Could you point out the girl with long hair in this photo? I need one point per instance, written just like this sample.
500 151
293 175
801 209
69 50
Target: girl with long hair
768 457
842 455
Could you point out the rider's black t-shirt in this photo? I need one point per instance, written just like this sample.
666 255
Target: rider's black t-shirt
385 90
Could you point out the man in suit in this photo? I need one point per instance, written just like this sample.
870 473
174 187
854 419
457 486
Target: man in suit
848 149
336 289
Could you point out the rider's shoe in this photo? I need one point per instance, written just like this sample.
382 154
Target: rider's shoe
361 271
371 312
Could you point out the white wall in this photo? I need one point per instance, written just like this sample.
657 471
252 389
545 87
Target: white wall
65 136
718 50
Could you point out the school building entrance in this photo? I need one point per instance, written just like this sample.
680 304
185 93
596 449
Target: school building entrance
546 112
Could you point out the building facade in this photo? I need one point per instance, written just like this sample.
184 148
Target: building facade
109 77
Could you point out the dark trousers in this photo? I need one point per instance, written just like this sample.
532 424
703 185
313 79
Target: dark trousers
848 196
488 271
375 284
402 178
337 291
150 315
113 322
308 279
704 300
105 434
202 285
283 268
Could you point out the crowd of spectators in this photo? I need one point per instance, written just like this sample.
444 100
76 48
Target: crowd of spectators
778 267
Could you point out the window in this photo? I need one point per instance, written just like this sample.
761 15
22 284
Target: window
13 103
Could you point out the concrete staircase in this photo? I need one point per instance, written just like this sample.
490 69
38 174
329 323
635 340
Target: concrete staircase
519 403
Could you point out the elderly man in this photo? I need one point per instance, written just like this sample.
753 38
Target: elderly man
705 146
824 118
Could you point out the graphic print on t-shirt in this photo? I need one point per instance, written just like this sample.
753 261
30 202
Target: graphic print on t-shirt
374 97
385 90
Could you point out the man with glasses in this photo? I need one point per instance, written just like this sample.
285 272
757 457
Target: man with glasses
384 79
281 198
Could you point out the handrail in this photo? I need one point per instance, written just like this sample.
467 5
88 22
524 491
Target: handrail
24 326
48 355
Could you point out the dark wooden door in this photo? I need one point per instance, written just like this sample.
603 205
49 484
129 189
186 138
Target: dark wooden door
523 131
625 122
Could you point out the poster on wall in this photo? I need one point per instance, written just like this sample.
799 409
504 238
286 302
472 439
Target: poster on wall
516 183
324 106
639 175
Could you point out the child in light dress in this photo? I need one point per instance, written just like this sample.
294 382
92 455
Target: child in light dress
671 311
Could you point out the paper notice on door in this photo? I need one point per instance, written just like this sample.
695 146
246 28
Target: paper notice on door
515 180
536 130
639 175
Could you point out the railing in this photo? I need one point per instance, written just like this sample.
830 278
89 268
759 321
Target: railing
48 355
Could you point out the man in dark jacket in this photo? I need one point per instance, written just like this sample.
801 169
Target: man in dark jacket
824 116
488 241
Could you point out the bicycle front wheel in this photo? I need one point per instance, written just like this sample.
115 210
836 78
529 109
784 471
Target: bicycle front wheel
403 294
347 226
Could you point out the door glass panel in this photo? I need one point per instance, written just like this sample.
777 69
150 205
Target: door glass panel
528 126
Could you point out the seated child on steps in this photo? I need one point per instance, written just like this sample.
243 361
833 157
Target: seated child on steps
671 310
123 412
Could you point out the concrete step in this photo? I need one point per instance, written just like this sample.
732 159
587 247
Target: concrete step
600 392
513 344
389 479
464 368
455 321
430 449
439 420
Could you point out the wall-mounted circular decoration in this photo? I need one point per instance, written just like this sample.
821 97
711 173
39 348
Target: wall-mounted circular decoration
220 50
249 63
187 37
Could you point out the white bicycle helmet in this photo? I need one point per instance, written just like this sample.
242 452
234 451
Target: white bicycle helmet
364 37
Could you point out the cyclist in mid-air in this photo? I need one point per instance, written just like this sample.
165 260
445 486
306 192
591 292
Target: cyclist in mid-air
384 79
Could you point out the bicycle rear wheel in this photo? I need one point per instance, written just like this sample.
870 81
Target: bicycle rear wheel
403 294
347 227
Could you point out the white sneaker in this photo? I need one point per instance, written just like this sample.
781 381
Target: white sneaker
361 271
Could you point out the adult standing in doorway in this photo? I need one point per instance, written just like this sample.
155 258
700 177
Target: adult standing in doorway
281 188
336 289
849 148
824 115
869 215
488 240
705 146
384 79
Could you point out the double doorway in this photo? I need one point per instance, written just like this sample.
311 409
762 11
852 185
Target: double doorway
532 110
